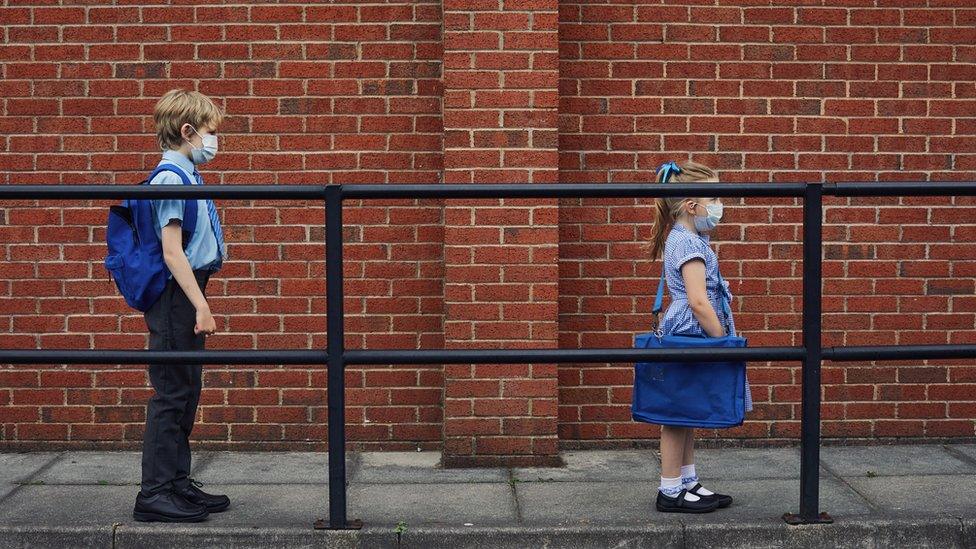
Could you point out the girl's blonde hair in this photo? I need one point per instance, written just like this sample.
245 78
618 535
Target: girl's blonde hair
668 208
178 107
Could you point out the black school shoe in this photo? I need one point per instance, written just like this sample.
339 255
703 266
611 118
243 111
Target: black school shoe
213 503
723 500
167 507
678 504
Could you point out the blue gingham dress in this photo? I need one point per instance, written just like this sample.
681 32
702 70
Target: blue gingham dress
681 246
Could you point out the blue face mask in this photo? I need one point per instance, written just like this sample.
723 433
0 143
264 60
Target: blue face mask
710 221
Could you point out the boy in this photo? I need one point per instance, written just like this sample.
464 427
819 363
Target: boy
186 127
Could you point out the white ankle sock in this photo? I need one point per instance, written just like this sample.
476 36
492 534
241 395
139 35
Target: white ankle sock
689 479
671 487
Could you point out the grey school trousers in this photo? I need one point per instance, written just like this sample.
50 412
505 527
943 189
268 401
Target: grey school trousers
173 408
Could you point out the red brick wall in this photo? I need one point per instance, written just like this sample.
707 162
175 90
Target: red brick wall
491 91
766 91
346 92
500 256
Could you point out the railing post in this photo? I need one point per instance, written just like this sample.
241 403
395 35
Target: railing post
336 365
810 403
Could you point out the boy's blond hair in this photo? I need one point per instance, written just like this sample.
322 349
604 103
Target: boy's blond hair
178 107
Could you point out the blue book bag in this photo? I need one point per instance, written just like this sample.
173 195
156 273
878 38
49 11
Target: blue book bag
135 252
689 394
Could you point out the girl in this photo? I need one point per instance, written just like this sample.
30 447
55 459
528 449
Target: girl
691 272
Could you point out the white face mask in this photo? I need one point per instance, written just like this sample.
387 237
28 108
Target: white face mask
207 152
710 221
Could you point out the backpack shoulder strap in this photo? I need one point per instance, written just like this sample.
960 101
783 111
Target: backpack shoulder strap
170 168
189 224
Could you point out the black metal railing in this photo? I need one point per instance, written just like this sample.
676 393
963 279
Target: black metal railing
810 354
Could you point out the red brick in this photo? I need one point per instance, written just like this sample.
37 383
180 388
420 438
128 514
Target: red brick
18 378
42 431
67 414
97 432
252 396
20 414
120 414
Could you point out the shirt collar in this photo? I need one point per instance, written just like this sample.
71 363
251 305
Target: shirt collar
682 228
178 158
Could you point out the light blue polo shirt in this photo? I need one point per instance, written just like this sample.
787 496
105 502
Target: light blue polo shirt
201 251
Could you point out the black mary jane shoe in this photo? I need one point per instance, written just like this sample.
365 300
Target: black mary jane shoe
678 504
722 499
213 503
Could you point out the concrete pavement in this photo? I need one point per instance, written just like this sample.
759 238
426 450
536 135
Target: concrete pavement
879 496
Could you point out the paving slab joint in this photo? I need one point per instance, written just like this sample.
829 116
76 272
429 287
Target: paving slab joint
962 456
871 504
513 482
42 469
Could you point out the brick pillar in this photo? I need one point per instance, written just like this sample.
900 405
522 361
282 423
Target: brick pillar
501 277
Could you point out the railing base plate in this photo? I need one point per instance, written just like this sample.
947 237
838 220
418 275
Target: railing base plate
794 519
354 524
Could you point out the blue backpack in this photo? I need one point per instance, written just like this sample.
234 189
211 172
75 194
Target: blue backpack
135 252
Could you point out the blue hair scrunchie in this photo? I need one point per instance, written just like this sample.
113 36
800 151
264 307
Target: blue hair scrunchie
669 168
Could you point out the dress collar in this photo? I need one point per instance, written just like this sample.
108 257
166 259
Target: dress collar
178 158
682 228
